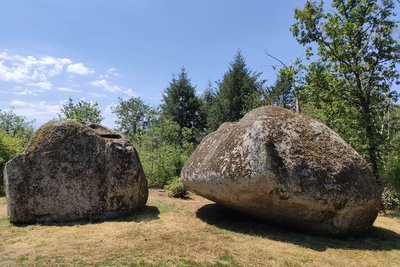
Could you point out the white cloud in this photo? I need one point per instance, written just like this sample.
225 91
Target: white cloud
130 92
69 90
21 69
79 68
98 95
106 85
39 72
25 92
47 60
110 73
41 111
43 85
17 103
13 74
103 83
21 91
113 72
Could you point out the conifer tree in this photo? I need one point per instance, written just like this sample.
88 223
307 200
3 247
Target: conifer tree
181 103
239 91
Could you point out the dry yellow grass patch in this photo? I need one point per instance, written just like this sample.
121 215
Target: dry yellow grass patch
194 232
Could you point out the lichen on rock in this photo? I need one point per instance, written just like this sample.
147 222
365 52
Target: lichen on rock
286 168
73 171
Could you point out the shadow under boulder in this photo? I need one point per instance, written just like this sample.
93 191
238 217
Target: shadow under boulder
376 238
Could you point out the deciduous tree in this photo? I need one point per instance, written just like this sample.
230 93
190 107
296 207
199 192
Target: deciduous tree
132 115
16 126
82 111
355 42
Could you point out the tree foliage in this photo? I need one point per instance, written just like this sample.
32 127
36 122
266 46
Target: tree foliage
10 147
132 115
239 91
15 132
82 111
357 56
16 126
281 94
164 148
208 99
181 103
393 164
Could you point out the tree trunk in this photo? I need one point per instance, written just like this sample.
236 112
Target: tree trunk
371 139
298 110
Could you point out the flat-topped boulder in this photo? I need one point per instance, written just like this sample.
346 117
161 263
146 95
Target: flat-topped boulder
286 168
74 171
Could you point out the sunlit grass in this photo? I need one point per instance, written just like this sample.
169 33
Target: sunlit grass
193 232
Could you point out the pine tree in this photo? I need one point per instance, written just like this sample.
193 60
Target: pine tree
239 91
208 98
181 103
280 94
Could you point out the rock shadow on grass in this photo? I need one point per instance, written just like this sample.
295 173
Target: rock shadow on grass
146 214
378 239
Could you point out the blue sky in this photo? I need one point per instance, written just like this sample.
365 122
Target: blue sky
101 50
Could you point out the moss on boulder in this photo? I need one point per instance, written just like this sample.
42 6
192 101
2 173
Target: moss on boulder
284 167
73 171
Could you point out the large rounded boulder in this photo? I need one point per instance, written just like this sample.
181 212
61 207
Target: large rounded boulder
73 171
285 168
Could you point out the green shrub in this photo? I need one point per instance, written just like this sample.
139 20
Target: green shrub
161 164
393 172
176 188
163 150
391 199
10 147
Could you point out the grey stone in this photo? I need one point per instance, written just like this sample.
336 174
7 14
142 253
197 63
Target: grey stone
286 168
74 171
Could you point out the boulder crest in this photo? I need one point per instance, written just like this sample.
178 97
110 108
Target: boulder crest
286 168
74 171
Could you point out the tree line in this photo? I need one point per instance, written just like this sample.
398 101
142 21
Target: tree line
346 81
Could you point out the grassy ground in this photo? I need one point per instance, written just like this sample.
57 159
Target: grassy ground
194 232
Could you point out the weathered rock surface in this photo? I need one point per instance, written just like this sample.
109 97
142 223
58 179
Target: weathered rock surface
286 168
72 171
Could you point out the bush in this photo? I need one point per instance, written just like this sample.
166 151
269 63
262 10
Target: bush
163 149
10 147
391 199
176 188
161 164
393 172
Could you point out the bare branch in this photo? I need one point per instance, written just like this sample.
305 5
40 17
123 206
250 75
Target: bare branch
271 56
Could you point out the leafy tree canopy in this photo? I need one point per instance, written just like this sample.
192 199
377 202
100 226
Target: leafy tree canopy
357 55
16 126
82 111
132 115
